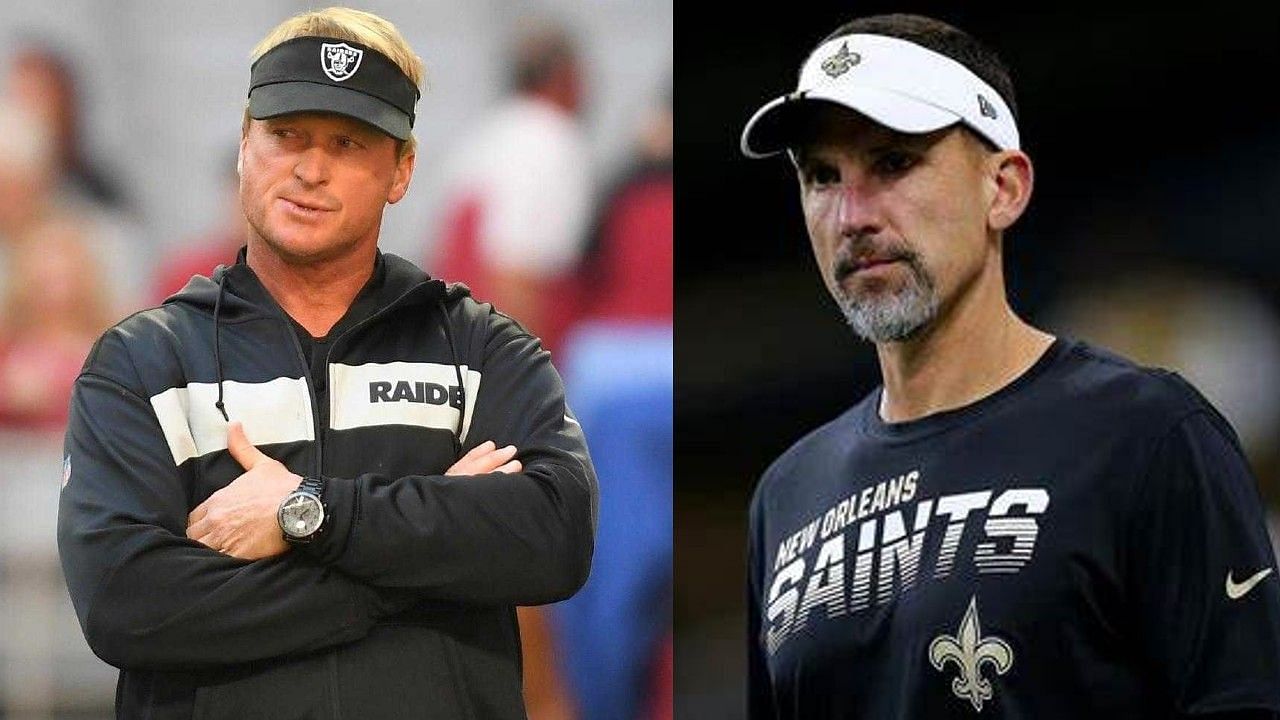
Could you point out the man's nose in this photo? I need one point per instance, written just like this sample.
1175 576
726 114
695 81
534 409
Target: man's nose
858 210
312 167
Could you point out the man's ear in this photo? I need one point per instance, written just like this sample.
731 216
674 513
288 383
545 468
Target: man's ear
404 173
1013 178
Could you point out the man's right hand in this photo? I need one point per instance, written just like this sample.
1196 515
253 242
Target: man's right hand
487 457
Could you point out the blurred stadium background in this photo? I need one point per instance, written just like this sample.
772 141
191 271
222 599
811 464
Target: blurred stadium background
1154 229
119 124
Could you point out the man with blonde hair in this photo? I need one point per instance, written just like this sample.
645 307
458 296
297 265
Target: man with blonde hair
317 484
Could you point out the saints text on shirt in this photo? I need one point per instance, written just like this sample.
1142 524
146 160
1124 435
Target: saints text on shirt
887 556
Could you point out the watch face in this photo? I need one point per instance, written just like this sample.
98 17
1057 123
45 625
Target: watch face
301 514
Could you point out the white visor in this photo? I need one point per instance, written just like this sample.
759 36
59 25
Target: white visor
896 83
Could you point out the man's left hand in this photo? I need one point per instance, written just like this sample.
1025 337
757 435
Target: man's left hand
240 519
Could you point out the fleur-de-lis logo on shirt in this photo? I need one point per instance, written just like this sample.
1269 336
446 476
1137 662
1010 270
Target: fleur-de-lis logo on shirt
969 650
839 64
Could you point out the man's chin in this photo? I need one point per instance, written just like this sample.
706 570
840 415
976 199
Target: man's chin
863 294
303 250
887 316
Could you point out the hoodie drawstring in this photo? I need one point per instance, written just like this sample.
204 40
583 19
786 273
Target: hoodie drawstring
462 387
217 353
448 334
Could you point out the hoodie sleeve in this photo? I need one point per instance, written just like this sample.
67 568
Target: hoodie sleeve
514 539
145 594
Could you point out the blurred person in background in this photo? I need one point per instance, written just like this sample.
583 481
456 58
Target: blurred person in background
627 271
514 224
42 81
55 295
40 85
1095 511
519 201
55 306
27 178
619 374
201 255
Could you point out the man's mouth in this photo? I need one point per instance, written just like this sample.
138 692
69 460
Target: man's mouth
305 207
853 266
868 263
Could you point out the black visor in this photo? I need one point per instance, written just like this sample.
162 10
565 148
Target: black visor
318 74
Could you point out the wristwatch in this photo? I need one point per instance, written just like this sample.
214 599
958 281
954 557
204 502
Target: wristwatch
302 513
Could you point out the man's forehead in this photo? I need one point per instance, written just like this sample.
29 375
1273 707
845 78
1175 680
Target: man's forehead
831 125
331 120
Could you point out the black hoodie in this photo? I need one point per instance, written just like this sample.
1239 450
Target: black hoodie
405 606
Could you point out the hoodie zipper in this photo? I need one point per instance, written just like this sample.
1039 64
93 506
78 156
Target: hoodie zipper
306 366
338 340
311 388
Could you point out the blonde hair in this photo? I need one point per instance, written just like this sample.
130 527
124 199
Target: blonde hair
358 26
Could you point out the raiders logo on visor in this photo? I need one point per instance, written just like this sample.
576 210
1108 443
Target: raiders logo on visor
339 60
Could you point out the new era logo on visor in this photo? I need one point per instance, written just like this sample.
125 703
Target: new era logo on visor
339 60
985 107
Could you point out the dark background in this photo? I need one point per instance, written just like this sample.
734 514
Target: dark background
1156 144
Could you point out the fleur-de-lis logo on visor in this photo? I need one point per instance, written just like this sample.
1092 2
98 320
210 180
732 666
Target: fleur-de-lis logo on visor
839 64
970 651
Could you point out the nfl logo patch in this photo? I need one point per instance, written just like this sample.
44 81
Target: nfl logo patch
339 60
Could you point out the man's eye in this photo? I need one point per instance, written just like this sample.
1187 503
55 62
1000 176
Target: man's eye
823 175
895 163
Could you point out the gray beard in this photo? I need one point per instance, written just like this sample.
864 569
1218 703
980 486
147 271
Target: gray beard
893 317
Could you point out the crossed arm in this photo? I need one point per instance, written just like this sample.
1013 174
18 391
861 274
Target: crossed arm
493 530
239 520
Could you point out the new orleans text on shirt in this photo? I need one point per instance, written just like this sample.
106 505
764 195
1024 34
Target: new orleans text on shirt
887 556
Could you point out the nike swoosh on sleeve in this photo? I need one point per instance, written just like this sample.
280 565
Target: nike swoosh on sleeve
1235 590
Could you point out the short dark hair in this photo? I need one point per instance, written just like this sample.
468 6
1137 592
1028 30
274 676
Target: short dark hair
542 47
940 38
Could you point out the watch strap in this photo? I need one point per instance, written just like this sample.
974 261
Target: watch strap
313 485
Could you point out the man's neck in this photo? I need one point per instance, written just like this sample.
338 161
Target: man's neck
972 350
317 295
